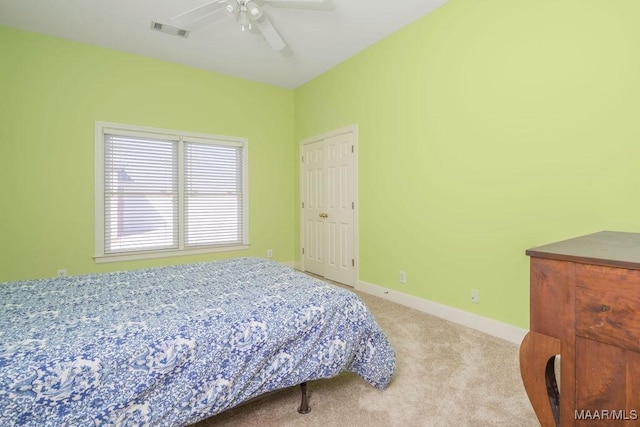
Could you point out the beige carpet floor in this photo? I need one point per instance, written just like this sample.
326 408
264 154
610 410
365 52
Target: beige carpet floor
446 375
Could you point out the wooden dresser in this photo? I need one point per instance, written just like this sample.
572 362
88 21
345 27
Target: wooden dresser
585 307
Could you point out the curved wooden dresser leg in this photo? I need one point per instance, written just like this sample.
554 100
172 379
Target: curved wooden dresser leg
537 355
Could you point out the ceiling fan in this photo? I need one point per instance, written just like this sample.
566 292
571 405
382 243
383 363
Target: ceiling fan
250 14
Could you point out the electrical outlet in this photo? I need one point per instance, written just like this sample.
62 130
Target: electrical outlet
269 253
61 273
403 277
475 296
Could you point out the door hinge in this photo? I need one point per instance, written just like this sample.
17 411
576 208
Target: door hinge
353 205
352 149
302 159
353 263
302 205
302 251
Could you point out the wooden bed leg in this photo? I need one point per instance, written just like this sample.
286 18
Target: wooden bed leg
304 403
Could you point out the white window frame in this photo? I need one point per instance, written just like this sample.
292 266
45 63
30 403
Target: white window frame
103 128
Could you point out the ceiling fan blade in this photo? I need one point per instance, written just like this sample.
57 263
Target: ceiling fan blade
208 12
326 5
271 34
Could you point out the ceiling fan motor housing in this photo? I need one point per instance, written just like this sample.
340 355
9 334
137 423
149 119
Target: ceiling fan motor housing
244 12
250 7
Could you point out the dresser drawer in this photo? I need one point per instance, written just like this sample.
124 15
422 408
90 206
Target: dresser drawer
608 305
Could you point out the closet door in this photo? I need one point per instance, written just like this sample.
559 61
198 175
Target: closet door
313 207
338 226
328 207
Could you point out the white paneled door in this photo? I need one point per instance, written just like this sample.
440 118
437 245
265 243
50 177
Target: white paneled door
328 207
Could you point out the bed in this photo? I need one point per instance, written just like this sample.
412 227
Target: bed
170 346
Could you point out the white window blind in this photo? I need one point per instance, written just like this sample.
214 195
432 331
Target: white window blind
140 194
164 194
213 194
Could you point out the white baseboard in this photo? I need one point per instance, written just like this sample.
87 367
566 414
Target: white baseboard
290 264
483 324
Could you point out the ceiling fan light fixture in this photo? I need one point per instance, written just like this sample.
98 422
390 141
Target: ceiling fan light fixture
255 11
232 6
243 18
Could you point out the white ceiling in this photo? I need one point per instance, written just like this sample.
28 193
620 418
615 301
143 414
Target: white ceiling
318 40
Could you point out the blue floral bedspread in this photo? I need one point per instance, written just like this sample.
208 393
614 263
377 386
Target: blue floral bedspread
173 345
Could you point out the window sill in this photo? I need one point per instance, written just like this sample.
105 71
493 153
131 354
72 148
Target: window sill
134 256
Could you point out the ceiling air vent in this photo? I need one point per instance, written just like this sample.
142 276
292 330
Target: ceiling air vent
168 29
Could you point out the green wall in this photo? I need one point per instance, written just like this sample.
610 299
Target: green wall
486 128
52 92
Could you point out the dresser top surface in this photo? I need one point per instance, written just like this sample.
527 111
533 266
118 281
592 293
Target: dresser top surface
608 248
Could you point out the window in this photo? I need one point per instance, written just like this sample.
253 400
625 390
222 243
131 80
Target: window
165 193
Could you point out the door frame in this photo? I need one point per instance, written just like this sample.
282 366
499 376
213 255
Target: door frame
353 129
